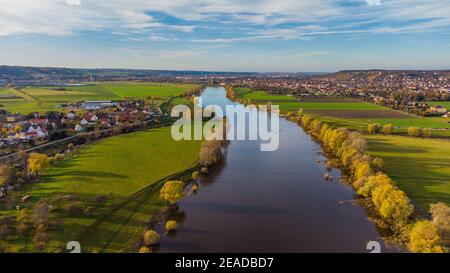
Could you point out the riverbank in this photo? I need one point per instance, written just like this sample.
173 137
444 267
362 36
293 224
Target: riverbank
270 201
84 187
392 207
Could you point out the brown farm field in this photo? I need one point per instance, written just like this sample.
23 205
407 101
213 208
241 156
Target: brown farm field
358 114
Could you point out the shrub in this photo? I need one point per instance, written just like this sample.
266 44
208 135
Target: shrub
388 129
74 207
171 225
424 238
195 175
151 238
427 132
414 131
145 249
306 120
377 163
373 128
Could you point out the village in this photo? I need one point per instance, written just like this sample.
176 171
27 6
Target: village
38 128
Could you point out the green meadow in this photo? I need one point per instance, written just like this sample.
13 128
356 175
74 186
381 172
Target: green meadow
48 98
113 169
442 103
421 167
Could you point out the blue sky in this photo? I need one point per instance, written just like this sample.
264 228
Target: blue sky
227 35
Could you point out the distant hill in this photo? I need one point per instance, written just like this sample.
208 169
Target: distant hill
29 74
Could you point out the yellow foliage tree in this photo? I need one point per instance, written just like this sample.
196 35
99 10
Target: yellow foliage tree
392 203
374 182
171 225
363 169
373 128
151 238
388 129
414 131
37 162
172 192
424 238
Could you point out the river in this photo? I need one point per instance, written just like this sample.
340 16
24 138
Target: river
271 201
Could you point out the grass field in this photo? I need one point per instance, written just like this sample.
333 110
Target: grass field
442 103
421 167
349 113
114 168
42 99
164 91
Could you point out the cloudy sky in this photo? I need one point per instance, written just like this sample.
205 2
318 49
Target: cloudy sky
227 35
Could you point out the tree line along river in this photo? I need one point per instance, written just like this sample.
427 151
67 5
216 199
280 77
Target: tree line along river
271 201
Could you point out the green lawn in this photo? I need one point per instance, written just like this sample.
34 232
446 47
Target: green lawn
116 168
421 167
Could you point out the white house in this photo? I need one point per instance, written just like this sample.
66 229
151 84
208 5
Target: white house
84 122
79 128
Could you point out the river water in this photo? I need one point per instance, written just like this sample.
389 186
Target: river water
271 201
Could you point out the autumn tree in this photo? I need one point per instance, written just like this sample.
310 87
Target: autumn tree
151 238
7 177
171 225
388 129
40 218
373 128
392 203
37 162
172 192
441 218
414 131
374 182
427 132
23 221
210 152
424 238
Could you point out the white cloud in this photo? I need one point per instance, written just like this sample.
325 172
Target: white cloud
74 2
61 18
374 2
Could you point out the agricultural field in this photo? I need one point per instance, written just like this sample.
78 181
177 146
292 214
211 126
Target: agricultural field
350 113
49 98
111 171
138 90
420 167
